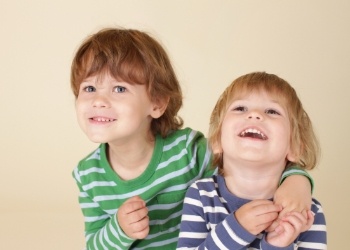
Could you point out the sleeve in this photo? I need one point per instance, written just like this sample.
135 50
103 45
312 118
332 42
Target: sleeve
203 156
264 245
316 236
295 170
195 233
102 231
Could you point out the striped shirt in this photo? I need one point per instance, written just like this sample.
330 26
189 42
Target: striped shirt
178 160
207 222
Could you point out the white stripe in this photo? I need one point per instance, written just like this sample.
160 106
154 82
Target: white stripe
88 236
88 205
83 195
94 155
174 143
193 218
192 235
95 218
163 206
191 201
233 235
105 236
318 228
208 209
92 170
172 159
111 211
320 209
210 194
76 175
101 238
312 245
161 222
217 241
168 231
205 180
99 184
117 235
191 136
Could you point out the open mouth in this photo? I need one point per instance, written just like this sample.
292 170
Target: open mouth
253 133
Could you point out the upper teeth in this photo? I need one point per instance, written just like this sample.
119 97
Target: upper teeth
103 119
252 130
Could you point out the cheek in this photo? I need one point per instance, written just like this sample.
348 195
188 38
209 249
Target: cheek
79 110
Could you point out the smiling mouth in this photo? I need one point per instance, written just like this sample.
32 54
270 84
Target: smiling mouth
253 133
101 119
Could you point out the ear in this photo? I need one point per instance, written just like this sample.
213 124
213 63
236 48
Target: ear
216 148
159 107
292 156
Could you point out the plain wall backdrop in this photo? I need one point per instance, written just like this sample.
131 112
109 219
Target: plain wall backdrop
210 44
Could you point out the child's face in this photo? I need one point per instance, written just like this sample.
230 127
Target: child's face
256 128
112 111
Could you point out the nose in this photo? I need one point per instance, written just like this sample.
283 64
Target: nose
255 115
100 101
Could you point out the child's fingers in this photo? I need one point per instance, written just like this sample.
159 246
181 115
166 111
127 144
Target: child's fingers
310 221
140 229
273 226
296 219
133 204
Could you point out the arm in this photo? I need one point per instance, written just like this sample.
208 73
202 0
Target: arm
101 229
294 193
198 233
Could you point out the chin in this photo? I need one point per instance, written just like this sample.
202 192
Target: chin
97 139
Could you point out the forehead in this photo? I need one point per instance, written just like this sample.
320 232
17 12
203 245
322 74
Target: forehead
272 96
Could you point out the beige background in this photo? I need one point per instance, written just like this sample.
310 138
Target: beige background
210 44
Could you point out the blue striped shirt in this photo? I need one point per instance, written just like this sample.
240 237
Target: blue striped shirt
207 222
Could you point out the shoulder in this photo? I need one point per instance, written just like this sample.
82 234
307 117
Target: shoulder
184 138
209 184
186 133
89 162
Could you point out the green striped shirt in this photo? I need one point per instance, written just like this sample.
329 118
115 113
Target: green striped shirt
178 160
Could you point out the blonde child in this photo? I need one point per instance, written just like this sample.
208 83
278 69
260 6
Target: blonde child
258 128
133 185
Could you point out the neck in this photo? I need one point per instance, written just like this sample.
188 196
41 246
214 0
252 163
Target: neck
130 160
253 182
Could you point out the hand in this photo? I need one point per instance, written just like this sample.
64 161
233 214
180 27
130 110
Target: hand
290 226
294 194
133 218
257 215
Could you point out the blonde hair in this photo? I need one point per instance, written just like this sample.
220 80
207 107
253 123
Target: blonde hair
303 141
135 57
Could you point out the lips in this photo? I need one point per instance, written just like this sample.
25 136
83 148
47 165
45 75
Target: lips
253 133
102 119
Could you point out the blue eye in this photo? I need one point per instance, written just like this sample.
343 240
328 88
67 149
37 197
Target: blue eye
119 89
240 108
89 89
272 112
